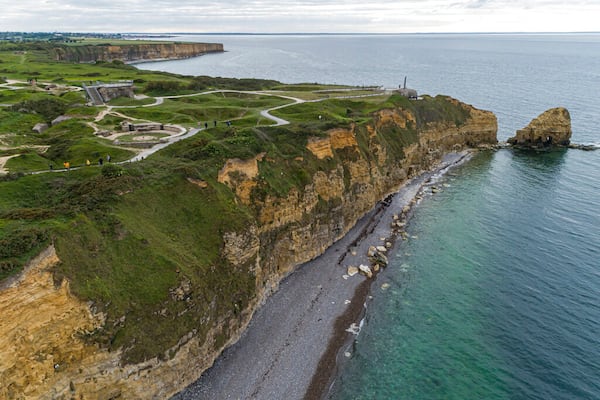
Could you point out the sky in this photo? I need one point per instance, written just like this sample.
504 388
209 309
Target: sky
307 16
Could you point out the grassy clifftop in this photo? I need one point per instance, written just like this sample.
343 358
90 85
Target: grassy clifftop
144 242
126 239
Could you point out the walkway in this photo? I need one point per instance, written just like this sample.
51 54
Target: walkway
193 131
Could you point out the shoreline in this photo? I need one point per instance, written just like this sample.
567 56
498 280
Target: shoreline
291 346
328 369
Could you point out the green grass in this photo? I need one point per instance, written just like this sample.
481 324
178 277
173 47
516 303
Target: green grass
189 111
126 101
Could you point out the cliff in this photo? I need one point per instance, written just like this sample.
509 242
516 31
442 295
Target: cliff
551 128
153 323
134 52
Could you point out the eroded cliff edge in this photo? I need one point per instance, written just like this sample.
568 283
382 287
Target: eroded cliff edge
134 52
277 209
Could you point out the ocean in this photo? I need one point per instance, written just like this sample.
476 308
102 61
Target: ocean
496 295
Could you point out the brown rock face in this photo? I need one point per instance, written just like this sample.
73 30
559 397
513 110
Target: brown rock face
551 128
44 353
135 52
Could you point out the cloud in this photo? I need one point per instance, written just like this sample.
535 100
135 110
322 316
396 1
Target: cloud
296 16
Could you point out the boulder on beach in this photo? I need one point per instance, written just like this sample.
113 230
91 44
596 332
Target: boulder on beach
377 256
365 270
352 270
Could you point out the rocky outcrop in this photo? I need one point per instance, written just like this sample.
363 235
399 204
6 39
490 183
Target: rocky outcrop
239 176
45 349
551 128
134 52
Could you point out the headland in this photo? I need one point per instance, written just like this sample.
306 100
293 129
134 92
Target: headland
130 278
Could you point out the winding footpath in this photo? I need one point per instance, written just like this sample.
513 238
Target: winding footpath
185 133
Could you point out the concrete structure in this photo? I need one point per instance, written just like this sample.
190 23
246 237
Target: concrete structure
406 92
127 126
100 93
40 127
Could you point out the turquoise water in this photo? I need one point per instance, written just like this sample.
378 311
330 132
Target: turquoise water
498 296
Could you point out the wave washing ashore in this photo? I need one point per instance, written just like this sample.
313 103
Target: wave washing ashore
284 353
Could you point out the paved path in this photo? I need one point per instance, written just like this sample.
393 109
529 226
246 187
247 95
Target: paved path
192 131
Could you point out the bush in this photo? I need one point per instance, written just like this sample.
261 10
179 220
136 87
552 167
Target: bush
163 86
22 241
48 108
111 171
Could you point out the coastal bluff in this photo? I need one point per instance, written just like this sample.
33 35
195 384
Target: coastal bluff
551 128
56 345
134 52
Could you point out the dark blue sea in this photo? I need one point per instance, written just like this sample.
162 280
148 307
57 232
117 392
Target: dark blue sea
496 295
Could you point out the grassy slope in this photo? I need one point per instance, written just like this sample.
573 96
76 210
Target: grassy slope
129 236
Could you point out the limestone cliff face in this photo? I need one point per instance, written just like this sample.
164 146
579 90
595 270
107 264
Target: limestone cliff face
45 351
299 227
135 52
551 128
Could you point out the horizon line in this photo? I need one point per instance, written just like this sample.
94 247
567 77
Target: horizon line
322 33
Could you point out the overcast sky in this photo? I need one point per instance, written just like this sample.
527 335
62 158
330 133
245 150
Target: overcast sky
318 16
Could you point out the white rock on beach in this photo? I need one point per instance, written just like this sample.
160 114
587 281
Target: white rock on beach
366 270
372 250
381 249
352 270
353 329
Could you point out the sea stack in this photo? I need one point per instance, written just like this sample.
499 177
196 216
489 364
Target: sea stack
551 128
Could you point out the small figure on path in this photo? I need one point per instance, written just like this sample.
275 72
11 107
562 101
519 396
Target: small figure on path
108 158
100 161
206 125
87 162
215 122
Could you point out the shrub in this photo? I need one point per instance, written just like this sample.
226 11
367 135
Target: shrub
111 171
48 108
21 241
163 86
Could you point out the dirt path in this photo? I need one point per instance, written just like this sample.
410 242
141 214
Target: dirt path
3 161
